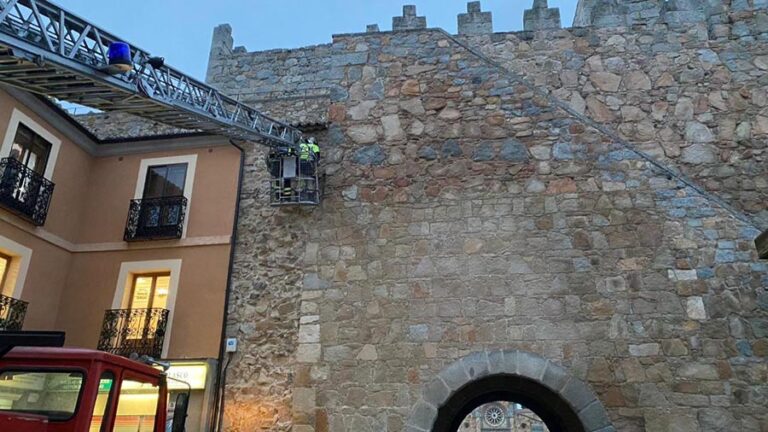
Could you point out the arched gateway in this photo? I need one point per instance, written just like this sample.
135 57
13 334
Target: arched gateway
562 401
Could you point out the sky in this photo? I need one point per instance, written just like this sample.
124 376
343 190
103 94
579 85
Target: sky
180 30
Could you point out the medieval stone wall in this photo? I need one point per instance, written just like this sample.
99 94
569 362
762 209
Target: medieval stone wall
466 210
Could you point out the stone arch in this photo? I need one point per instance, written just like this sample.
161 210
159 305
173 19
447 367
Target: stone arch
563 401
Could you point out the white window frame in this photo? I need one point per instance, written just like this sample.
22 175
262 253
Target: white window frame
189 182
129 269
10 134
18 267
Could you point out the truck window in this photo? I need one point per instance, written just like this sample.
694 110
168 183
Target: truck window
103 401
136 407
50 393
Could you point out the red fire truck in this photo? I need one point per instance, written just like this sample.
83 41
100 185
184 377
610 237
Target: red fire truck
54 389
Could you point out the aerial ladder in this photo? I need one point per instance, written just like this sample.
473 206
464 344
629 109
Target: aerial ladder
49 51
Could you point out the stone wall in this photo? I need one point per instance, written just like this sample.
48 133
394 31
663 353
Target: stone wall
120 125
693 97
468 210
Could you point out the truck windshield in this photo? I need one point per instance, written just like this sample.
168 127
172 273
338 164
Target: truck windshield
53 394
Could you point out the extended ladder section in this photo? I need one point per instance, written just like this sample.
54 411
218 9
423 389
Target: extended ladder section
47 50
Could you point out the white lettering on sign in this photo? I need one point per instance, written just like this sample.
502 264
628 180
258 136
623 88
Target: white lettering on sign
194 374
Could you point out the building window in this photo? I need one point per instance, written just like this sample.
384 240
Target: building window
150 291
14 261
163 195
30 149
159 214
142 308
5 267
31 144
25 185
165 181
142 326
147 316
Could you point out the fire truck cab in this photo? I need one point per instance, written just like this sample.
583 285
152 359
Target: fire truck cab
80 390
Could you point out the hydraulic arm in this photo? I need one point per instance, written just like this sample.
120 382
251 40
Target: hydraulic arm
47 50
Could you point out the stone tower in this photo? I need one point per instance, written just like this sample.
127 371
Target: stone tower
563 217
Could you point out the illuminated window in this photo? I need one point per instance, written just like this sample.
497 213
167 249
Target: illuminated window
150 291
5 267
136 407
103 401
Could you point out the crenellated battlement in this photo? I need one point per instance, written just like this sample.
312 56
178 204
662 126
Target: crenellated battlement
541 17
597 13
475 21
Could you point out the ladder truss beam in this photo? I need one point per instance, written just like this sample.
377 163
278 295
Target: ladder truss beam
50 51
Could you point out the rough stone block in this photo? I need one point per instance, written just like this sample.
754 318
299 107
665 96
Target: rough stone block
309 333
644 350
455 376
370 155
496 363
423 415
594 417
436 392
695 308
513 150
418 332
349 59
483 152
578 394
308 353
313 282
304 400
476 365
530 365
555 377
759 327
698 371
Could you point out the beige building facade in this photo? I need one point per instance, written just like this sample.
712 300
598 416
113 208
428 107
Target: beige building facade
122 242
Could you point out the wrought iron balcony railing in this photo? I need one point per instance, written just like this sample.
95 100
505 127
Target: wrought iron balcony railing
156 219
12 312
128 331
24 192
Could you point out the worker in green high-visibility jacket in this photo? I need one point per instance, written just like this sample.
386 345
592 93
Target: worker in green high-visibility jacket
309 154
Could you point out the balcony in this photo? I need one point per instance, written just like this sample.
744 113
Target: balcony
156 219
24 192
12 312
128 331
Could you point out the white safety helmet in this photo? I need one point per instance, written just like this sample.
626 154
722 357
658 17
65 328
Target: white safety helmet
312 140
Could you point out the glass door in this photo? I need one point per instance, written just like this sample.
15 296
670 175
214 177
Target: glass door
163 181
149 297
30 149
32 152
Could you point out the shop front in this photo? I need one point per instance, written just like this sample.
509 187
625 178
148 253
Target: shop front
201 377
